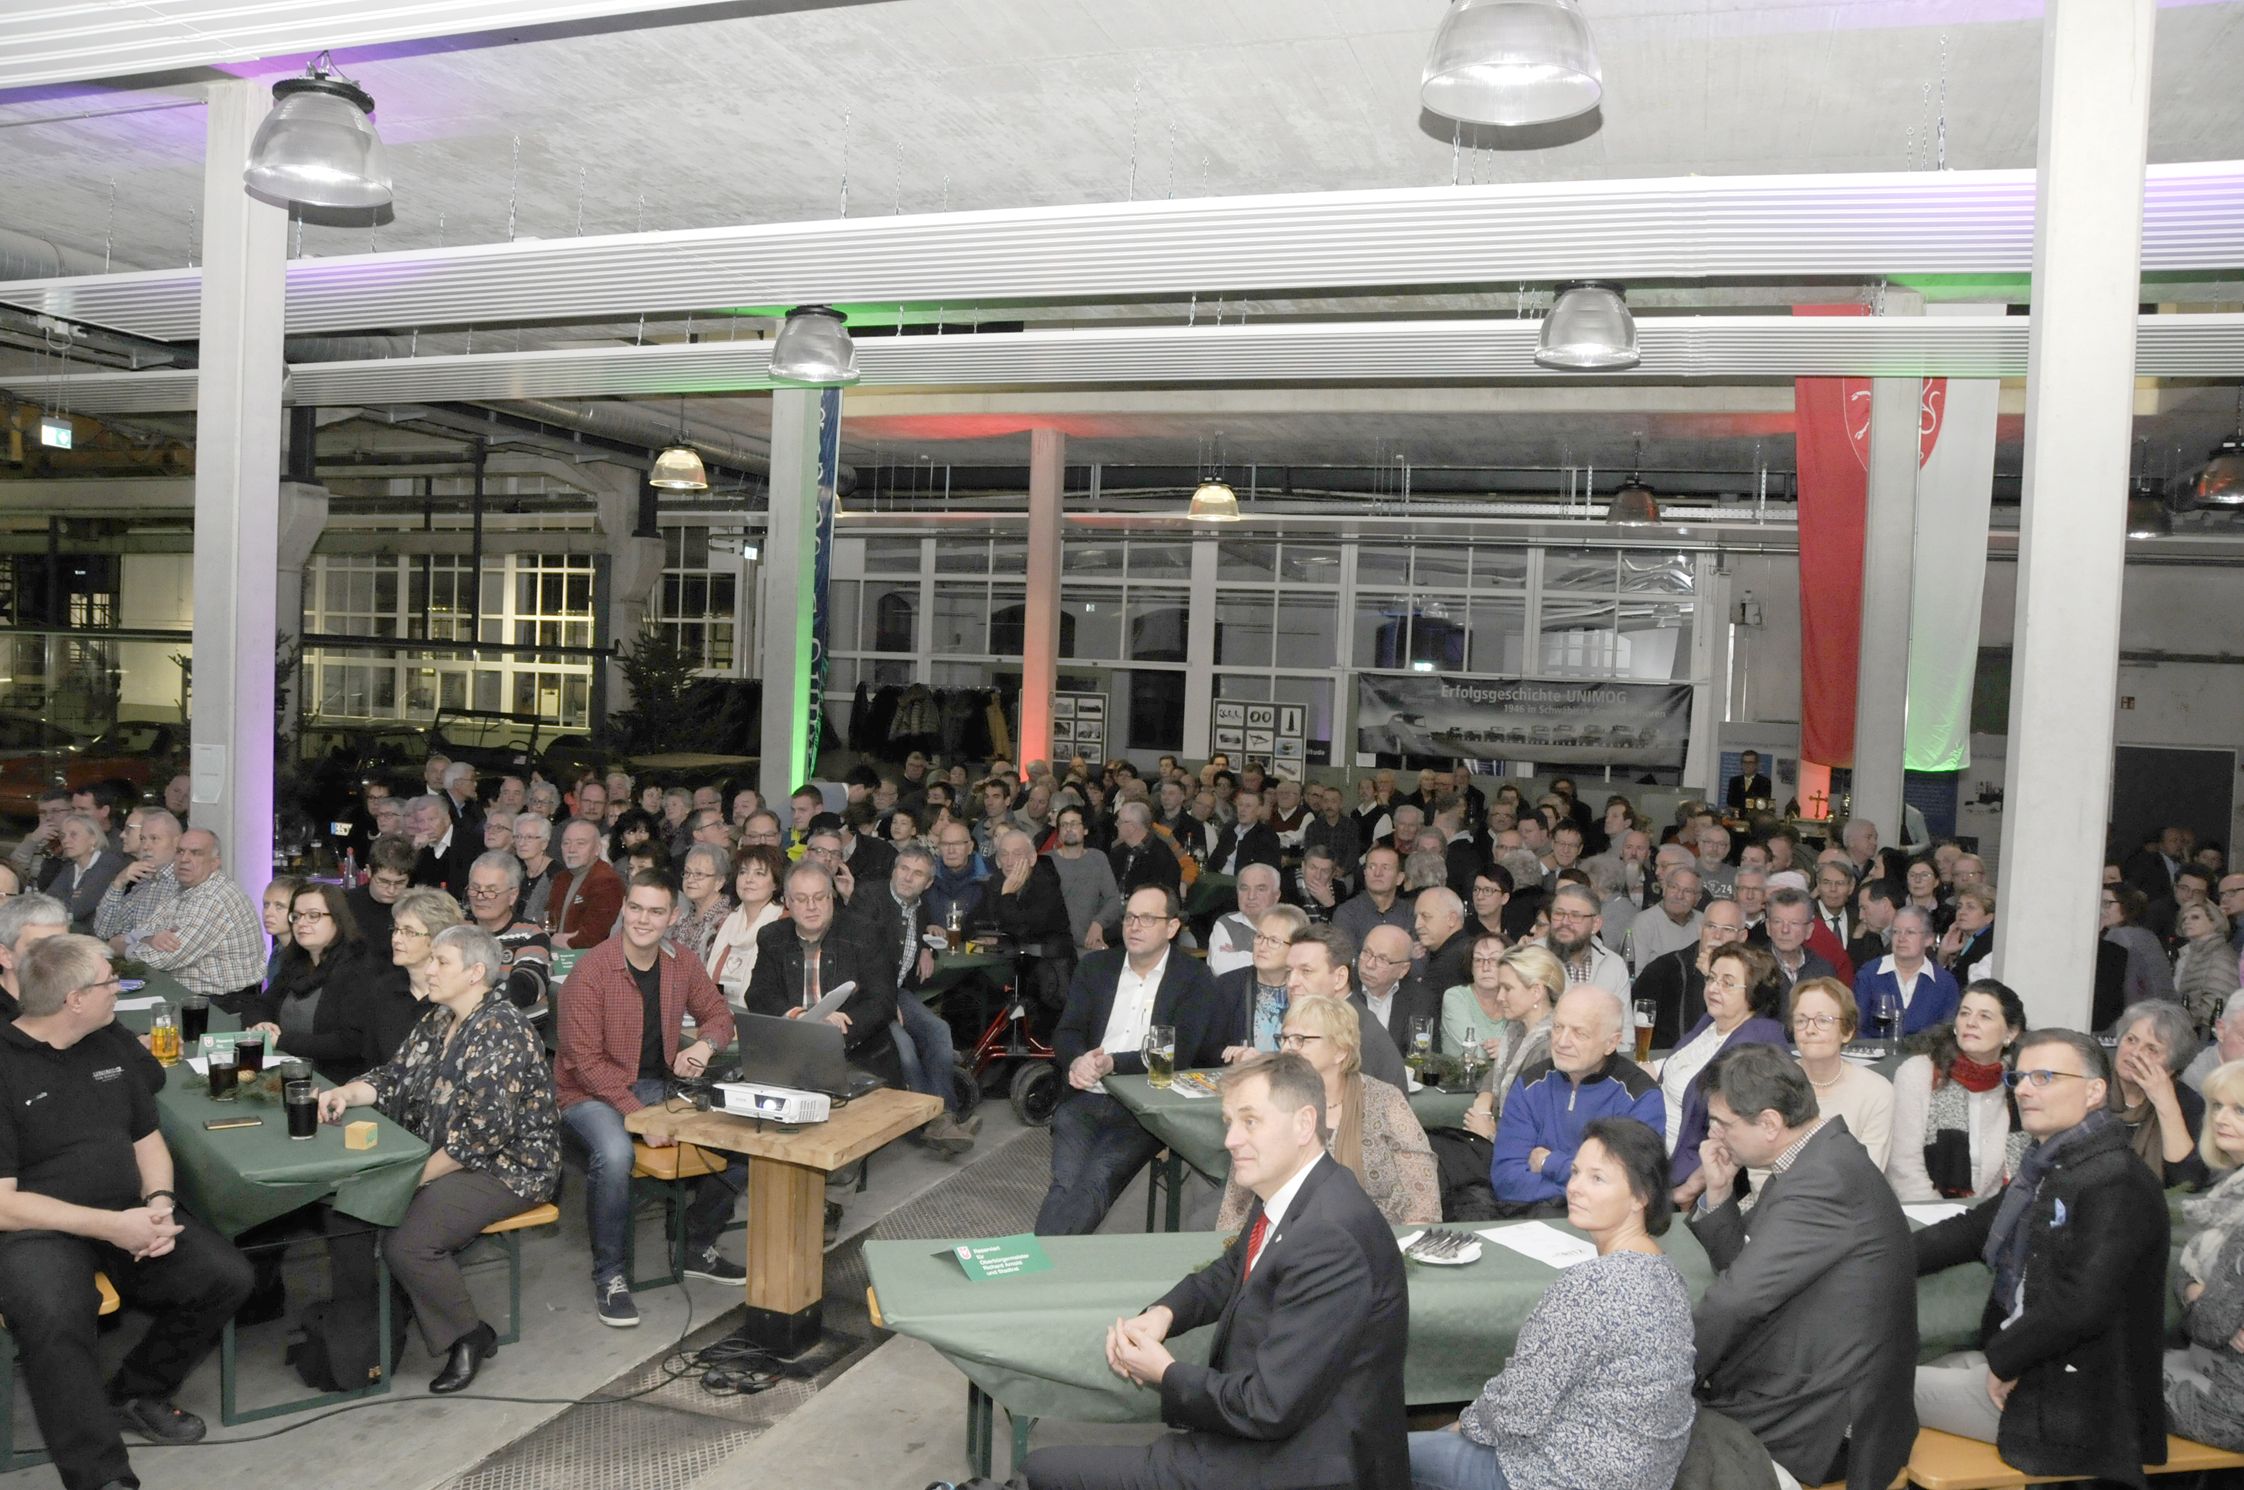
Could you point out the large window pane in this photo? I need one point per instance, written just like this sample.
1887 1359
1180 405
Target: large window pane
841 613
1310 563
962 556
1502 567
892 556
891 616
1008 621
1247 561
1578 569
1382 566
1656 641
1382 630
1499 628
1243 634
1162 559
1092 623
961 621
1153 626
1242 685
1155 709
1440 567
1667 574
1308 631
1578 638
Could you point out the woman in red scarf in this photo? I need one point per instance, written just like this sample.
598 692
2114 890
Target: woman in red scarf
1955 1131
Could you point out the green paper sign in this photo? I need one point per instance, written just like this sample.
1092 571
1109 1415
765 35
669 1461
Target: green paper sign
1005 1257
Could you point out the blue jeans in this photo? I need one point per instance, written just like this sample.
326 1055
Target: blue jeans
1451 1461
1097 1146
923 1044
607 1184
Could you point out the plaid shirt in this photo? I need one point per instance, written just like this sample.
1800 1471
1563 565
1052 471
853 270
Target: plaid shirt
221 941
124 907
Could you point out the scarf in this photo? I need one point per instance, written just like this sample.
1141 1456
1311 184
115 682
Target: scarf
2218 1212
2143 1135
1947 1137
2009 1237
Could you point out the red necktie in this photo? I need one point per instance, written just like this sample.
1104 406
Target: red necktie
1254 1245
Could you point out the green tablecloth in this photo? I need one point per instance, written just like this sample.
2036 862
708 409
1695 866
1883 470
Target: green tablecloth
241 1177
1192 1127
1036 1343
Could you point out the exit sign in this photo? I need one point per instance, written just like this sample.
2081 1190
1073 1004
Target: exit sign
55 433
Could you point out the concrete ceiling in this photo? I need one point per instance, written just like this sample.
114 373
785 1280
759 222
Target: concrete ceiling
757 113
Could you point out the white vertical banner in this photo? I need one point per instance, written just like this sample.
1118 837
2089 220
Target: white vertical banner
1955 492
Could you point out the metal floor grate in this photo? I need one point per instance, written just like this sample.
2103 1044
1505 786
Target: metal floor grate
675 1434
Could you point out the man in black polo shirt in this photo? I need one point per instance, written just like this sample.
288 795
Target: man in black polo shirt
86 1186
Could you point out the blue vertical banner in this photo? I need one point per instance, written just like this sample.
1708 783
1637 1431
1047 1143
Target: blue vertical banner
822 571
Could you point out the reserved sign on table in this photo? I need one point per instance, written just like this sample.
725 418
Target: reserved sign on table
1004 1257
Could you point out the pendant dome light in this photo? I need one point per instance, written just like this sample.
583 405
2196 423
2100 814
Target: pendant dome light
1512 62
813 349
679 467
318 147
1213 501
1634 506
1589 329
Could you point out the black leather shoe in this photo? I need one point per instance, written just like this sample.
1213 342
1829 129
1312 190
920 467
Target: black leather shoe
160 1422
465 1359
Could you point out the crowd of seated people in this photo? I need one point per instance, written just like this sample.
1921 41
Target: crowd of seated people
1358 926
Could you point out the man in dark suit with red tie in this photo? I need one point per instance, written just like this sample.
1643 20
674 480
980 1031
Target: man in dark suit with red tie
1304 1381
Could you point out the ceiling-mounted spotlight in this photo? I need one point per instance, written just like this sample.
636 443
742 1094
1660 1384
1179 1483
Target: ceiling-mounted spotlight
1213 501
1512 62
318 147
814 349
679 468
1633 505
1589 329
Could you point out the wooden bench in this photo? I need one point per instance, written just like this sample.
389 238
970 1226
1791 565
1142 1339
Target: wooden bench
508 1234
11 1458
1943 1461
664 1172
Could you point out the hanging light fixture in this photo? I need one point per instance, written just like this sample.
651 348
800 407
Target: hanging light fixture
1213 501
1633 505
1512 62
1589 329
318 147
814 349
679 467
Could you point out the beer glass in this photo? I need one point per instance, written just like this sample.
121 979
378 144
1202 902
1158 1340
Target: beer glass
1160 1051
1647 1013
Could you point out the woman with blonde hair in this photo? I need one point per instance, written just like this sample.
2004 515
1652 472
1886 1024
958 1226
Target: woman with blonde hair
2205 1383
1526 982
1374 1132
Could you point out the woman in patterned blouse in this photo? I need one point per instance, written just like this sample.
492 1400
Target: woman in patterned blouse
702 902
1374 1132
472 1082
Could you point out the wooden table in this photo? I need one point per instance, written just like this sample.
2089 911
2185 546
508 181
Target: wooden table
787 1169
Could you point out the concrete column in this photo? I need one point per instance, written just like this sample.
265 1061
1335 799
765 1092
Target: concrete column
790 564
2080 371
237 492
1040 632
1200 651
1881 686
303 517
623 588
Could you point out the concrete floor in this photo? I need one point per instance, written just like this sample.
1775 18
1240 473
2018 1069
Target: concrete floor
411 1441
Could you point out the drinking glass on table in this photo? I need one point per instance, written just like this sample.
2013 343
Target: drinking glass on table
223 1070
1647 1014
1421 1044
1160 1051
1888 1005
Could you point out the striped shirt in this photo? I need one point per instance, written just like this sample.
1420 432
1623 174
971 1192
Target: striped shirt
221 941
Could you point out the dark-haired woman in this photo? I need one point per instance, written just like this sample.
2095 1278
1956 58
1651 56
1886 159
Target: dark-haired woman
2121 917
1955 1128
318 1006
1598 1389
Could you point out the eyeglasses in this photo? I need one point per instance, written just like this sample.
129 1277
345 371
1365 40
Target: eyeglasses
1574 918
1382 958
1146 918
1815 1022
700 874
1496 961
111 982
487 891
2016 1079
1294 1040
1269 941
306 918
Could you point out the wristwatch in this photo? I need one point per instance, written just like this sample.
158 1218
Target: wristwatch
159 1194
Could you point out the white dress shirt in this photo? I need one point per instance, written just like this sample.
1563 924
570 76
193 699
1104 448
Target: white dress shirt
1132 1014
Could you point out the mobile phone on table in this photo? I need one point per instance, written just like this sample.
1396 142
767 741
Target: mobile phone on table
218 1125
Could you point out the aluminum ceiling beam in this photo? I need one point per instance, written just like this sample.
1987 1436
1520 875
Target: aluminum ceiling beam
70 41
1752 228
1677 348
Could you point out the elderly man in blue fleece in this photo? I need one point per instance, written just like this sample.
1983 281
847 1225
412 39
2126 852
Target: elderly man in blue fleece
1552 1101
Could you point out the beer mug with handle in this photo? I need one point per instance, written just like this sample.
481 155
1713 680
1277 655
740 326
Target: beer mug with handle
1160 1051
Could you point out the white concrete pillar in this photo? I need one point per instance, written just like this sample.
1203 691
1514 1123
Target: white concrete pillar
1881 686
303 517
1040 632
2088 218
790 594
237 492
634 568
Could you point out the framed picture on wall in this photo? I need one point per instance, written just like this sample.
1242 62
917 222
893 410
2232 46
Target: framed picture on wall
1230 740
1228 712
1258 742
1063 731
1063 706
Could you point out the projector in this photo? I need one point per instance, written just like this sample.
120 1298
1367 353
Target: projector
775 1104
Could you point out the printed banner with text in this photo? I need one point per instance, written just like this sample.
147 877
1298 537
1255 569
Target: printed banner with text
1578 724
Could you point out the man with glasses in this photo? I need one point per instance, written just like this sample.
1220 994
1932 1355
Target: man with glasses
1791 921
1576 919
533 849
587 892
494 903
1094 900
1231 939
1676 982
31 918
155 844
621 1038
1321 959
760 827
41 849
961 876
818 948
2072 1333
1386 991
1908 979
1808 1334
86 1187
1673 923
1115 998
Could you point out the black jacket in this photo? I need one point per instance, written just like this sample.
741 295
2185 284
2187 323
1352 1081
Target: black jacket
1035 918
2086 1352
1152 862
1258 845
1677 989
1304 1381
1187 999
1413 1000
353 1001
1451 963
849 953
